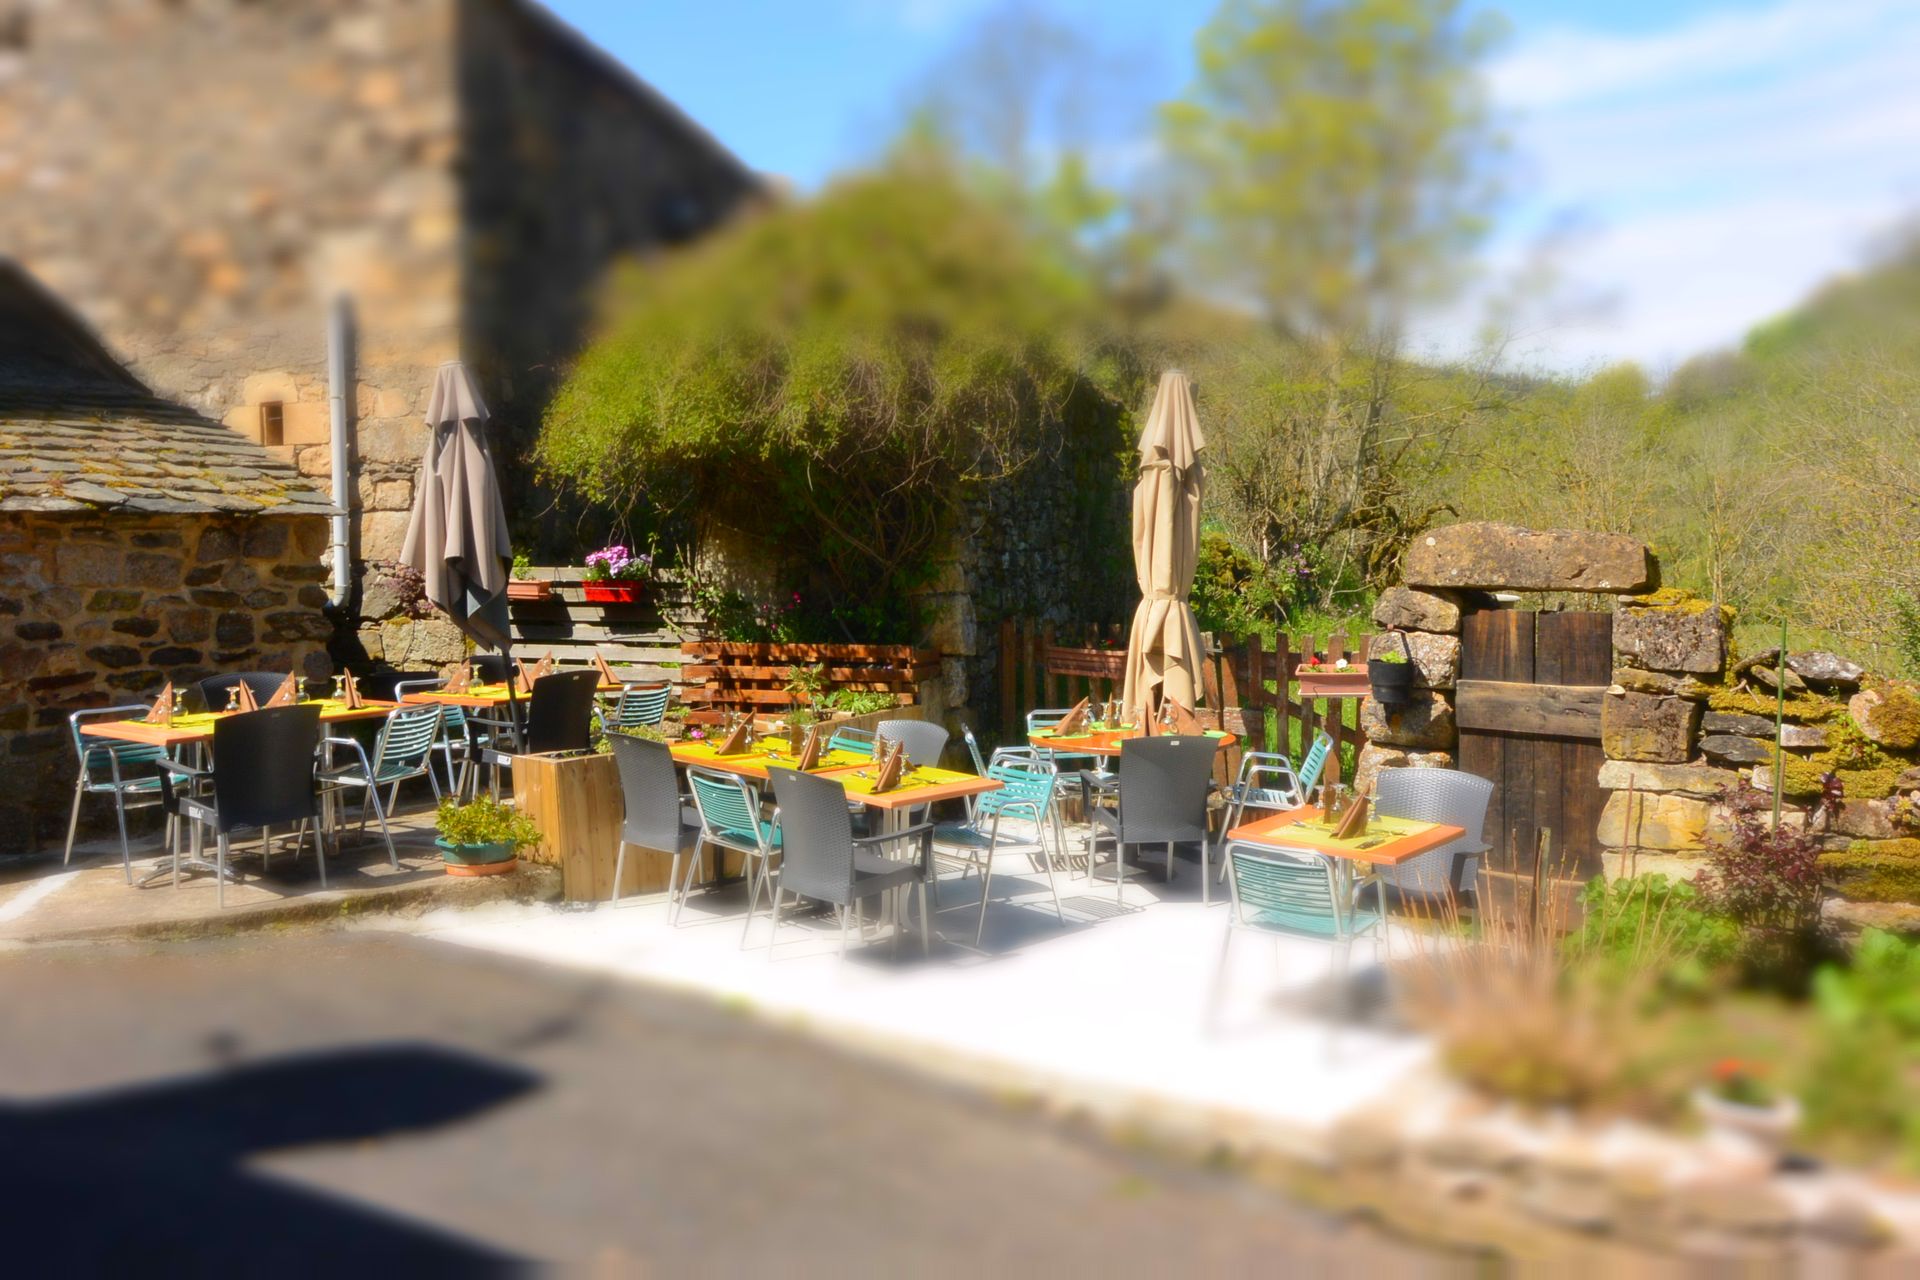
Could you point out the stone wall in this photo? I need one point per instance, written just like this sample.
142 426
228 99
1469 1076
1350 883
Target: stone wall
1054 543
97 610
200 179
572 164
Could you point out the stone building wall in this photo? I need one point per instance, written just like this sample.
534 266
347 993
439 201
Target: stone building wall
573 163
199 179
97 610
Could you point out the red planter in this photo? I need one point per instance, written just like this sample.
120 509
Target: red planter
611 592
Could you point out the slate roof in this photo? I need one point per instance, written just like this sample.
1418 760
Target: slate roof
78 432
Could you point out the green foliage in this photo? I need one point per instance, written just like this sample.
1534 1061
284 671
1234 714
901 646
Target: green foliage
1236 595
522 565
485 821
1859 1087
829 375
1702 946
858 702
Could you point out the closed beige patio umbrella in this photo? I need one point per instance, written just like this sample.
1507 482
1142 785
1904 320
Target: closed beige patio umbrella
1163 649
457 535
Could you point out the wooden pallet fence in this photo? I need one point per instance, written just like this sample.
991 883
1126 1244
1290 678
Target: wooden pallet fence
641 641
724 677
1247 684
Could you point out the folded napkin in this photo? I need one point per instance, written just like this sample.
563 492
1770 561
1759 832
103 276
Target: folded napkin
891 767
350 693
1182 720
1073 722
735 742
287 694
459 680
245 699
1354 821
810 751
162 712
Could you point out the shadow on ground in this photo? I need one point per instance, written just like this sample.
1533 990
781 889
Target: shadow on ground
153 1179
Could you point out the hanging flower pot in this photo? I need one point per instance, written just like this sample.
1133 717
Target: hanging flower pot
1391 674
612 592
615 574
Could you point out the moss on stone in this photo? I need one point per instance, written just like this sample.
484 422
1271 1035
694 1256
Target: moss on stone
1875 871
1897 718
1801 708
1675 600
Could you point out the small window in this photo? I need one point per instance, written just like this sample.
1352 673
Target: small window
273 423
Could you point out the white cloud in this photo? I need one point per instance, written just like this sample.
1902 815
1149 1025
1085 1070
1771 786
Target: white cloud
1726 165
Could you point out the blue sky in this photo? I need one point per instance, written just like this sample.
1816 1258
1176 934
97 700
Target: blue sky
1688 168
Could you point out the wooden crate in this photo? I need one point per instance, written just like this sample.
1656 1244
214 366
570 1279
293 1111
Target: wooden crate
576 803
724 677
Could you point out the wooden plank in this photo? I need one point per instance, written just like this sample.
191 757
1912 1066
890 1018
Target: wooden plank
1506 706
1577 647
835 675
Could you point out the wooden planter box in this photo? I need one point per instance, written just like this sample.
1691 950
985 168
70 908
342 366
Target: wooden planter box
1327 683
576 803
529 589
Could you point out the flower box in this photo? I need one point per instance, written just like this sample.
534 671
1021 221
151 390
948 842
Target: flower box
529 589
612 592
1326 682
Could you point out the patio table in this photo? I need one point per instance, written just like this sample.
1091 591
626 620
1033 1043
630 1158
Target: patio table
194 728
1107 743
1387 842
759 758
484 697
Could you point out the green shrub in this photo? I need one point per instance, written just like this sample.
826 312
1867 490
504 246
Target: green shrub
1861 1085
1699 948
485 821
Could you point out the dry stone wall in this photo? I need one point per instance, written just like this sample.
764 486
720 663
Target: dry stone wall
102 610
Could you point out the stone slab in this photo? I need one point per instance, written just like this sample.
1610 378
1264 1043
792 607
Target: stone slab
1502 557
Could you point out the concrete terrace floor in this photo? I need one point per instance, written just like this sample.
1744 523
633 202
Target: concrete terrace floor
42 900
1106 1010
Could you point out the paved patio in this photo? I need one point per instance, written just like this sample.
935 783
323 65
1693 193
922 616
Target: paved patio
43 901
1107 1010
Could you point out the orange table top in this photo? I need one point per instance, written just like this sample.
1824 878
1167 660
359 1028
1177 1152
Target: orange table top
1387 842
483 696
854 772
1108 742
198 726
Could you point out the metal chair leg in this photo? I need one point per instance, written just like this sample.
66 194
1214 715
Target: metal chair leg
126 853
220 871
73 822
373 794
319 849
620 865
926 923
986 879
755 875
777 895
1217 989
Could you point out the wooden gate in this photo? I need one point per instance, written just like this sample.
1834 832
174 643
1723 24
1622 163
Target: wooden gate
1528 708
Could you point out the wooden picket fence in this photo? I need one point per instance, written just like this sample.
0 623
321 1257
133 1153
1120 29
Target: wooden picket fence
1248 685
721 677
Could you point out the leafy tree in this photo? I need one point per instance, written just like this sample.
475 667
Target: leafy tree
1340 156
829 375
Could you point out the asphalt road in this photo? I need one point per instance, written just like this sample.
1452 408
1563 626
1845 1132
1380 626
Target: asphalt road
326 1103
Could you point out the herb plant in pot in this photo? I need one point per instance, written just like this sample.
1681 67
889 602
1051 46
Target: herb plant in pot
1390 675
481 838
522 585
614 574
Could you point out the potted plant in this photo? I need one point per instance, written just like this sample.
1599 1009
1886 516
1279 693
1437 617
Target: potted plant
1321 677
522 585
481 838
1739 1107
614 574
1390 674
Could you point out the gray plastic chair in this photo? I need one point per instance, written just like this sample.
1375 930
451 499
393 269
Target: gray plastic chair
656 817
1436 795
924 740
820 859
1162 788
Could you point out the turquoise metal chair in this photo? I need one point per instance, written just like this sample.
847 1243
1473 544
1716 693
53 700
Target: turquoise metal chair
1266 781
1028 789
127 771
1068 761
1315 763
857 741
639 706
1295 892
404 750
730 819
